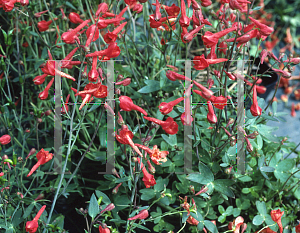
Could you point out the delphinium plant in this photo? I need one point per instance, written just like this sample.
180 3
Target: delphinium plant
181 75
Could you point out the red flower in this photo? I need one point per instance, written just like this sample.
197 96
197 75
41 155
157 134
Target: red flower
92 34
44 25
143 214
104 230
184 21
124 82
276 217
148 180
97 90
112 51
44 94
102 8
93 74
191 34
5 139
211 116
32 226
169 126
116 189
157 14
255 109
263 29
166 108
207 94
155 154
200 63
210 39
293 112
263 54
173 76
50 70
75 18
125 137
103 23
43 157
70 36
112 36
126 104
186 121
39 14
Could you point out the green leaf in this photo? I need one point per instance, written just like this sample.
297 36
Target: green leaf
71 6
28 210
222 186
285 165
261 207
229 210
141 227
152 85
236 212
105 199
205 176
222 218
221 209
93 207
258 220
172 141
267 169
210 226
17 218
197 216
147 194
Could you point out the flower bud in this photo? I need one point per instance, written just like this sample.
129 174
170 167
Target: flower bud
192 189
20 159
114 171
32 151
150 167
253 135
115 190
39 120
228 170
48 112
27 130
109 207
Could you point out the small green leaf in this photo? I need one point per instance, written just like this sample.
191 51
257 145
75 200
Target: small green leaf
261 207
105 199
93 207
210 226
258 220
221 209
152 85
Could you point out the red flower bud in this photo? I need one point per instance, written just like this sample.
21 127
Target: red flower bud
143 214
5 139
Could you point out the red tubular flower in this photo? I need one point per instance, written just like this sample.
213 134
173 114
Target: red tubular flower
206 3
295 60
5 139
157 14
75 18
93 74
102 8
125 137
212 54
200 63
184 121
120 15
204 189
249 146
44 94
124 82
63 111
191 34
104 230
169 126
229 75
39 14
97 90
116 189
112 36
255 109
43 157
70 36
171 10
126 104
155 154
236 5
44 25
112 51
219 102
148 179
143 214
173 76
150 167
109 207
263 54
103 23
211 116
50 70
184 21
276 217
92 34
210 39
166 108
157 24
32 226
38 80
207 94
263 29
293 111
284 73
